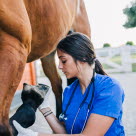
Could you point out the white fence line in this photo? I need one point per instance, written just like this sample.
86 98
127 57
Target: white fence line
106 54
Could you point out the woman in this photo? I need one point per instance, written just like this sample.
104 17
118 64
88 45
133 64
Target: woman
92 105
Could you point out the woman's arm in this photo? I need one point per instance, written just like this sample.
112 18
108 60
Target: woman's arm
60 135
28 132
53 122
97 125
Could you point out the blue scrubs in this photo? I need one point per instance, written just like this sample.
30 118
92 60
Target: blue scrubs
107 101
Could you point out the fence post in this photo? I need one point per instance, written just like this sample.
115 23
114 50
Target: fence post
126 59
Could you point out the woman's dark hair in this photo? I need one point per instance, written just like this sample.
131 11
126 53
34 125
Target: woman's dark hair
79 46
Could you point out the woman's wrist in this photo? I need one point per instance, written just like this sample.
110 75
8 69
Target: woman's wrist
47 114
46 111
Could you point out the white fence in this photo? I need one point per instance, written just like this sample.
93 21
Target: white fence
105 56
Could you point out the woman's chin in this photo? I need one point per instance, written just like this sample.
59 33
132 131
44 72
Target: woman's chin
69 77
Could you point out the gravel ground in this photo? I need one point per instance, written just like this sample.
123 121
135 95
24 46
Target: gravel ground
128 81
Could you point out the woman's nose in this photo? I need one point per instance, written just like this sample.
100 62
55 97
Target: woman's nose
60 65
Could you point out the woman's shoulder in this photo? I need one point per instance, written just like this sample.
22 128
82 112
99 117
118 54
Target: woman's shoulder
105 79
105 82
109 96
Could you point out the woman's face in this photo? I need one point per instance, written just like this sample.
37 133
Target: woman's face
67 64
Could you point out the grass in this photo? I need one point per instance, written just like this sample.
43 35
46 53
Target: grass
134 67
116 59
105 66
134 64
133 56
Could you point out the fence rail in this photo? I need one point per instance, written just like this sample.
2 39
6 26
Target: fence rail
106 55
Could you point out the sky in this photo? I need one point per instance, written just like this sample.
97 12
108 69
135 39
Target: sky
106 20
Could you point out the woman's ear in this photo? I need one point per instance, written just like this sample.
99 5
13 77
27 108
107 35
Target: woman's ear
93 65
81 62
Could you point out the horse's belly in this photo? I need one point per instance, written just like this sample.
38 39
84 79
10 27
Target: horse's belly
50 22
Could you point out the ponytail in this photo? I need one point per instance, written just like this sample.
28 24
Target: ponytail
99 68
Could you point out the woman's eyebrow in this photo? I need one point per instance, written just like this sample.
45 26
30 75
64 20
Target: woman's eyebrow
61 57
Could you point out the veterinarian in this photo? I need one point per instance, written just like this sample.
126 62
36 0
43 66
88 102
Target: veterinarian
92 105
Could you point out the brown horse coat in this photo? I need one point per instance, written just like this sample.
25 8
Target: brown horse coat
29 30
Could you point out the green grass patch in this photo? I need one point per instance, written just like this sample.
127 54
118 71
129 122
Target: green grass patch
116 59
133 55
134 67
105 66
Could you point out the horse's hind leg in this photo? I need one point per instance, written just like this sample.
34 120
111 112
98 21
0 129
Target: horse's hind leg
12 62
50 70
81 22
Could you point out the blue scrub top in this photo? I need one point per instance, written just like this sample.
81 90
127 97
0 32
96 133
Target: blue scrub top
107 101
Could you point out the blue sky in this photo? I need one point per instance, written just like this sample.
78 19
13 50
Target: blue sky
106 19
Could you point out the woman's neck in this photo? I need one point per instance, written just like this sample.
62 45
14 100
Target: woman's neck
85 77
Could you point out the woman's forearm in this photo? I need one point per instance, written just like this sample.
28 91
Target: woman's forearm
61 135
53 122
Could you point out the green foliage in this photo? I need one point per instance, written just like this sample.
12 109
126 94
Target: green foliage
130 12
106 45
130 43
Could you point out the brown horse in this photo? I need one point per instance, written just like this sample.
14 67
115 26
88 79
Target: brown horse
29 30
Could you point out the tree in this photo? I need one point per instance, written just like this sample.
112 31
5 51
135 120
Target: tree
106 45
130 43
131 15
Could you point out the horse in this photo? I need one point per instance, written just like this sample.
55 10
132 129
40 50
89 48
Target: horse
31 30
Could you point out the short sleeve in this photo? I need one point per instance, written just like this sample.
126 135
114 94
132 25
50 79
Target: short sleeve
64 96
108 101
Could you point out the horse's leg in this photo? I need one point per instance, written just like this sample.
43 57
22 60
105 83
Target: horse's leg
81 22
50 70
15 41
12 62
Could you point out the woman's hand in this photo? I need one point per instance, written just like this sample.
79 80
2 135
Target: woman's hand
23 131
